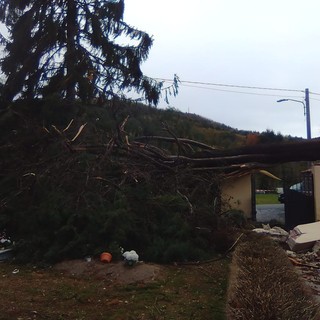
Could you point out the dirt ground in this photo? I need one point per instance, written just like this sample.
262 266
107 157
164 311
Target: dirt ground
115 273
92 290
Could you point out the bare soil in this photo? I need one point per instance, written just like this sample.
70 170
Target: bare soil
115 273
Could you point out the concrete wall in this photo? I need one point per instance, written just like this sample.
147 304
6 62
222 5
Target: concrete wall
237 192
316 185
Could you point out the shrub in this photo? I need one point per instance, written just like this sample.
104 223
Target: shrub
263 284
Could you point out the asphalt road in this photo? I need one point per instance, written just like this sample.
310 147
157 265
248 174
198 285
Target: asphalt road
267 212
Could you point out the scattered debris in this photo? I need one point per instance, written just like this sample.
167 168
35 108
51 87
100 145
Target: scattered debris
307 264
276 233
304 253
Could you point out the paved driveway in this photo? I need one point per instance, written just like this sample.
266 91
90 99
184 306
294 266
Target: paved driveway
267 212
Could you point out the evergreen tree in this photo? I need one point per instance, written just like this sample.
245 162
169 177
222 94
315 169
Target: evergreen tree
73 48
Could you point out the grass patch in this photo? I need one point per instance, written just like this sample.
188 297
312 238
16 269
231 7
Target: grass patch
181 292
269 198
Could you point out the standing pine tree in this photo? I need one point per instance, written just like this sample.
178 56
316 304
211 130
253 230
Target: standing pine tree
73 48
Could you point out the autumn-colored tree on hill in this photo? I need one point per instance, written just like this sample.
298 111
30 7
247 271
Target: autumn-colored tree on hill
252 139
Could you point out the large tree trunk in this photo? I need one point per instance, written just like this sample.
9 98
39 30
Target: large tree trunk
71 50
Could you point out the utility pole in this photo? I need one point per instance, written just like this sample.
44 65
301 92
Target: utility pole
307 114
306 109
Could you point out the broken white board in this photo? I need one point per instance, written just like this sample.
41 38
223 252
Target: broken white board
304 236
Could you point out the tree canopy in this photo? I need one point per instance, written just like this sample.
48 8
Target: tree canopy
73 48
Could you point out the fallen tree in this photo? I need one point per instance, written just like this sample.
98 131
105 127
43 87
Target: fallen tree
74 189
64 194
195 155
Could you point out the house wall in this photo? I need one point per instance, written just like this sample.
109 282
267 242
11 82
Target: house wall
316 190
237 192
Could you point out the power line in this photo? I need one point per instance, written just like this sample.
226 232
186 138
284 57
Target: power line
187 84
231 85
241 92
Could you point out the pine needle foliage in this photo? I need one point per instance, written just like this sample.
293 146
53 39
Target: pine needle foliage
73 49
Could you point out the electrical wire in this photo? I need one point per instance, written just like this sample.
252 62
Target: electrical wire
315 93
241 92
204 85
230 85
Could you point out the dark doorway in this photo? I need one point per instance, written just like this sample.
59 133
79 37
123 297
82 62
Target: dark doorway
299 202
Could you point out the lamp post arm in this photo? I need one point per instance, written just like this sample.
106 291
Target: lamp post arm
306 109
282 100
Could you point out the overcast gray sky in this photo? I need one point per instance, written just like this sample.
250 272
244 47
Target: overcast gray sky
269 44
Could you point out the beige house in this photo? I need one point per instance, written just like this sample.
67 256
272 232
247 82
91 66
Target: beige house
237 191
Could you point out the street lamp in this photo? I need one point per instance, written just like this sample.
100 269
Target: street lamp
306 109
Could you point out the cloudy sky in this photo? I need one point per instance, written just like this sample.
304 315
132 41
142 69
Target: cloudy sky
271 44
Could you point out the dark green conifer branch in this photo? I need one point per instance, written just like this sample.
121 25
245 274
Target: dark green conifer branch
71 49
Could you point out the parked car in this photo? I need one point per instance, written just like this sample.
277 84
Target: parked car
299 187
